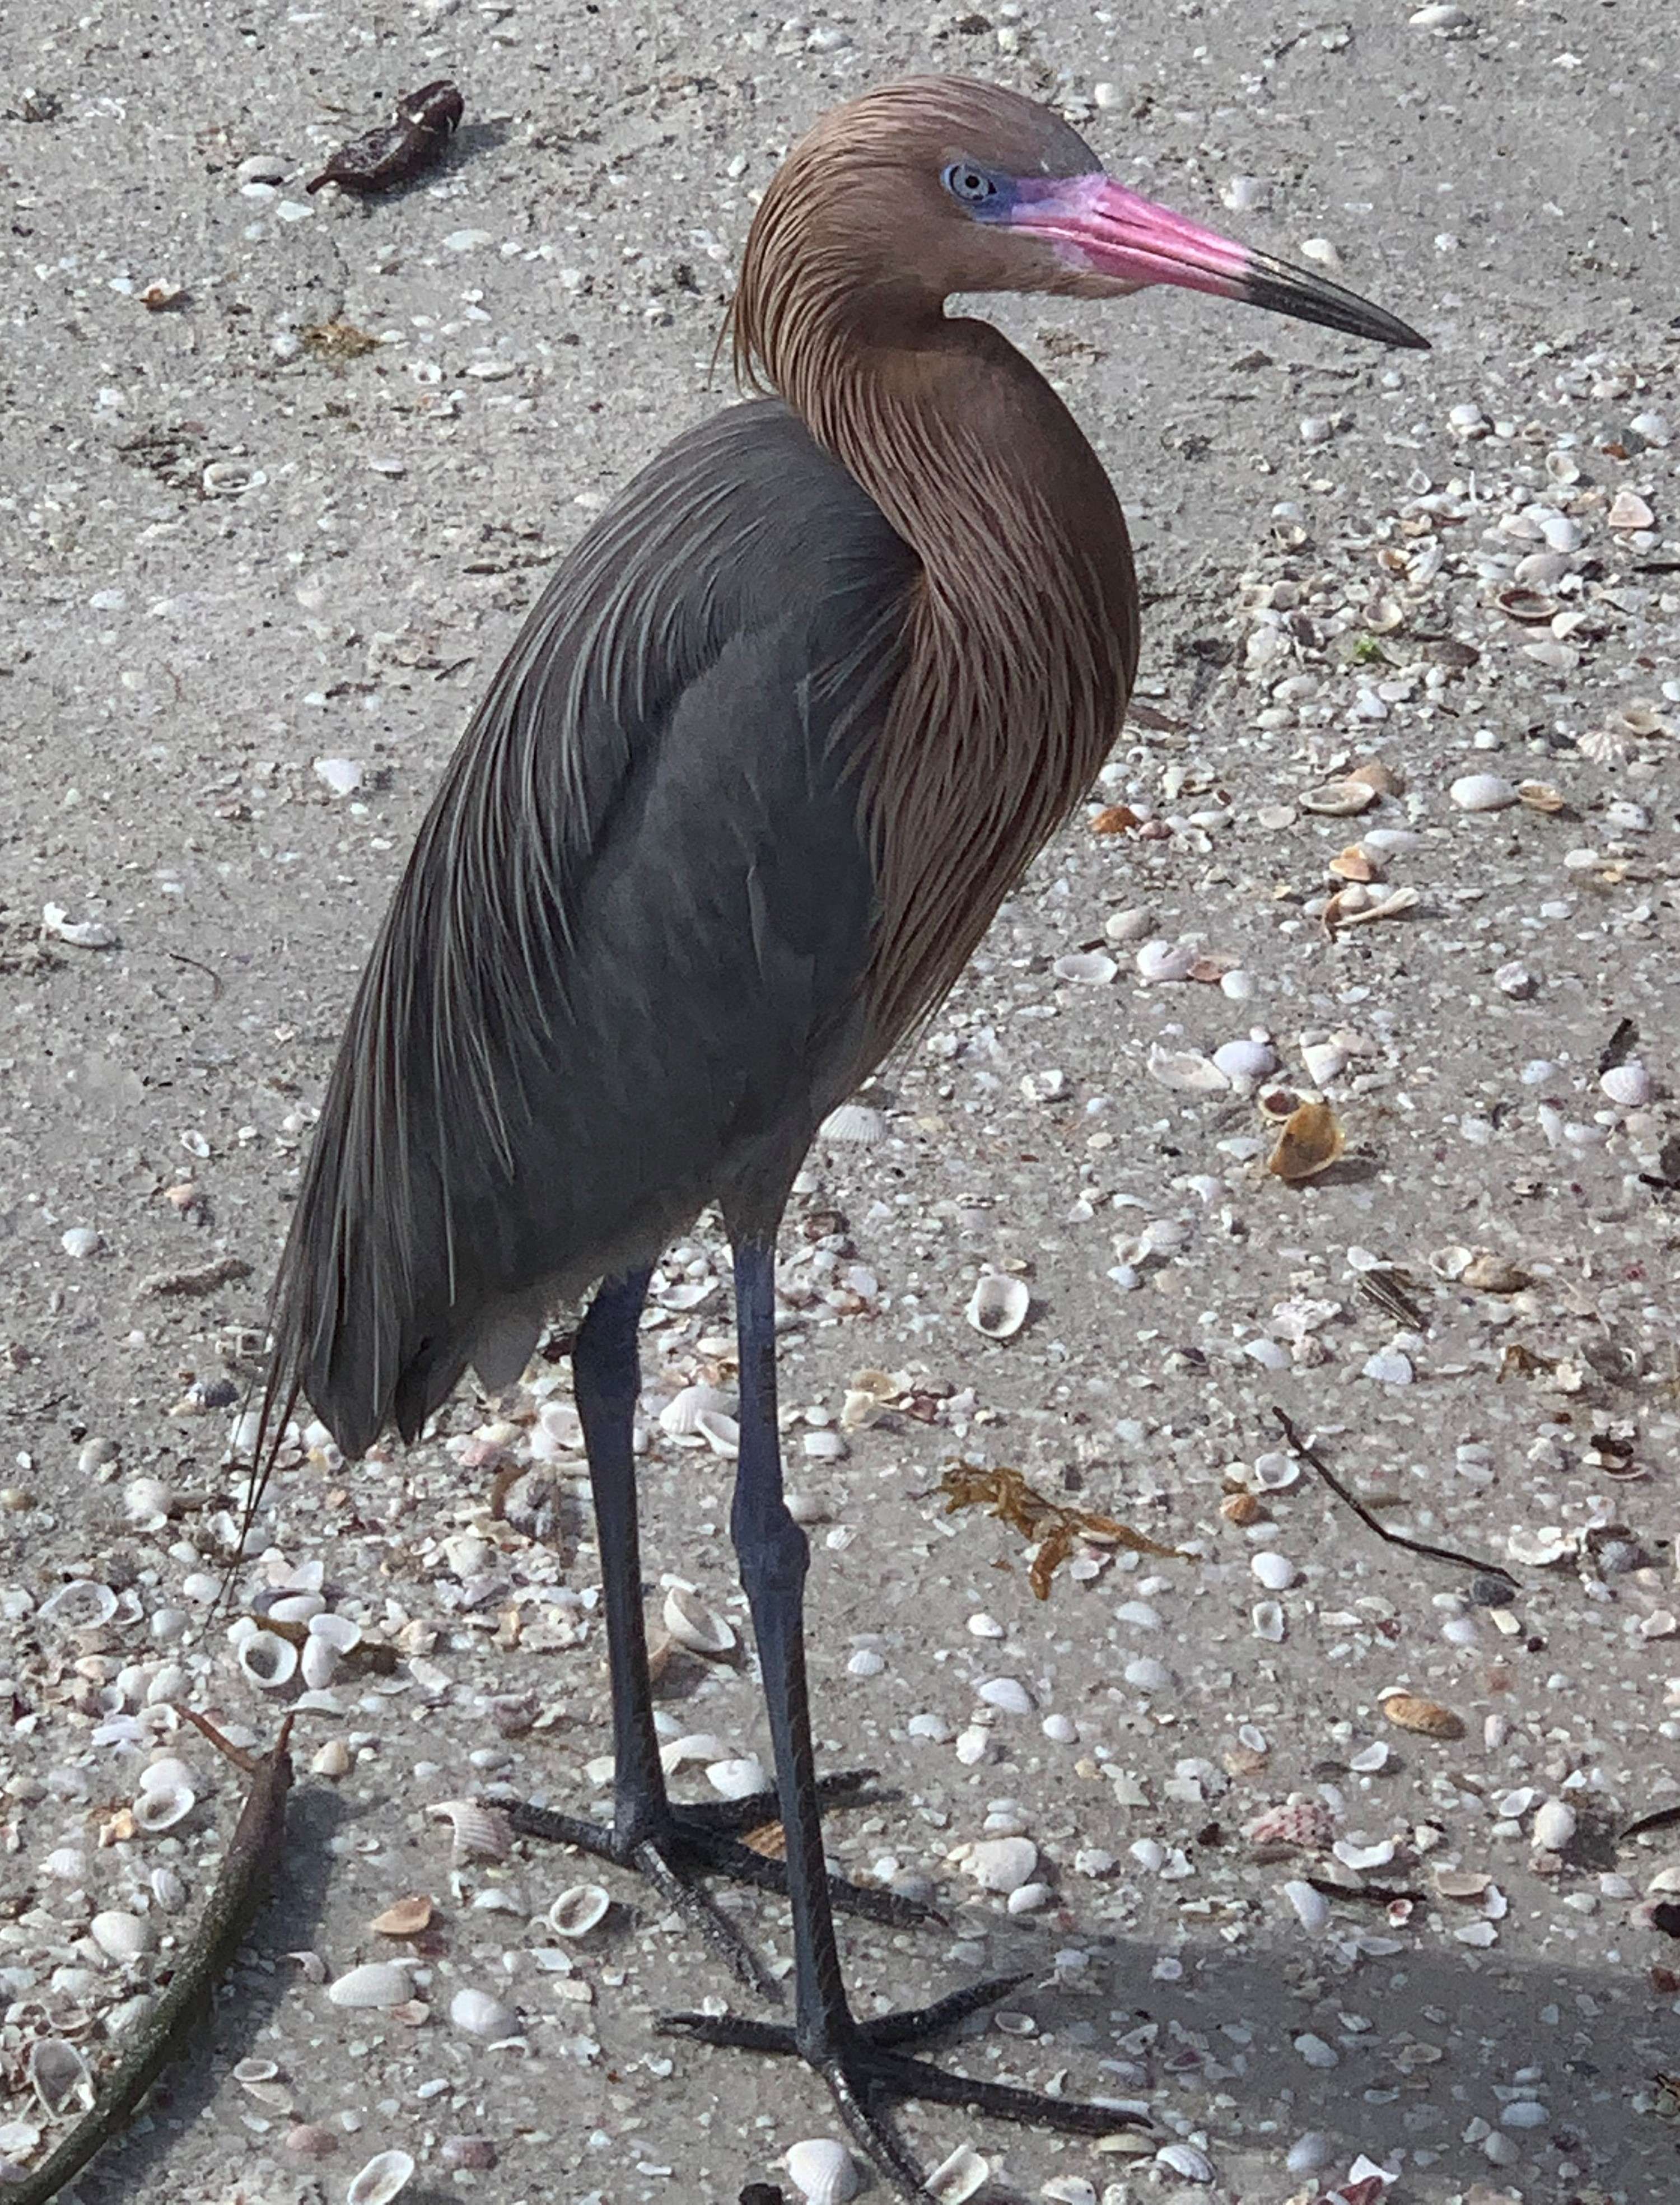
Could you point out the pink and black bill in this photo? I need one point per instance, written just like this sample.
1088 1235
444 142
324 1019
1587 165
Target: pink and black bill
1098 226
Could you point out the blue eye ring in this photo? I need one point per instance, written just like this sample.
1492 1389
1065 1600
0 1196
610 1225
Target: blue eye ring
971 186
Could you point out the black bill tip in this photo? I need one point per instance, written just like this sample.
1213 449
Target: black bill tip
1281 290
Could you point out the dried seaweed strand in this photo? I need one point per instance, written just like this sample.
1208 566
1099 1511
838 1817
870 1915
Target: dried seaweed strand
253 1852
1055 1524
1311 1457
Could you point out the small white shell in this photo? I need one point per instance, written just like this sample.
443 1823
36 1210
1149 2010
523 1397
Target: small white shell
579 1910
822 2171
481 2015
1274 1571
481 1833
232 478
66 1864
680 1417
1276 1472
854 1121
385 2175
1555 1825
319 1663
374 1983
958 2178
1482 792
1159 961
1188 1071
340 1632
166 1774
1008 1693
721 1433
1002 1864
1185 2159
999 1305
268 1660
1246 1059
159 1806
1068 2189
1628 1085
122 1937
147 1502
57 2072
737 1779
83 1604
1091 966
1312 1908
693 1625
1268 1619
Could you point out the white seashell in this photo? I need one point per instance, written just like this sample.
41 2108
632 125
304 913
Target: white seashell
1188 1071
1246 1060
385 2176
83 1604
1628 1085
168 1891
1351 1854
57 2074
1001 1865
959 2176
737 1779
1309 2154
693 1745
340 1631
693 1625
1006 1693
1437 15
1555 1825
319 1663
81 1240
1124 926
854 1121
1312 1908
999 1305
232 478
1369 1759
822 2171
1069 2190
678 1418
295 1608
1091 966
481 1833
168 1772
1267 1618
121 1937
1274 1571
721 1433
1325 1060
66 1864
161 1806
147 1502
129 2014
249 2073
481 2015
1029 1898
268 1660
374 1983
1482 792
1159 961
1185 2159
580 1908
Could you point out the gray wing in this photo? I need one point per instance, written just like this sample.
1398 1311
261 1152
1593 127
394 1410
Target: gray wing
628 940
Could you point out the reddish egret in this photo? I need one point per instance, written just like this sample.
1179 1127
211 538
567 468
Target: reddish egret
781 734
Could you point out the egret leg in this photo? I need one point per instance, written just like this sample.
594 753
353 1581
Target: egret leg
860 2061
670 1845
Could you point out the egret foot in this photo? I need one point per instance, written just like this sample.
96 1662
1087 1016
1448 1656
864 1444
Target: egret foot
867 2073
687 1843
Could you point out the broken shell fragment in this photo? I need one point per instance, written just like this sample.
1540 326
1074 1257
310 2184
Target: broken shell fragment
1310 1142
481 1833
385 2175
1159 961
579 1909
1339 799
999 1305
83 1605
681 1416
1493 1274
854 1121
959 2176
1555 1825
1409 1711
693 1625
159 1806
1188 1071
822 2171
481 2015
404 1918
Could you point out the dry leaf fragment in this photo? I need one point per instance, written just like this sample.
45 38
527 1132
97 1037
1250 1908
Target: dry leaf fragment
339 340
1054 1523
1428 1717
1311 1141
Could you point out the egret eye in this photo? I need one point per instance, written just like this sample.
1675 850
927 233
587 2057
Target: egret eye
968 184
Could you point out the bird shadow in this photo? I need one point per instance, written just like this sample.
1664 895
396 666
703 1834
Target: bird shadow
249 2001
1419 2046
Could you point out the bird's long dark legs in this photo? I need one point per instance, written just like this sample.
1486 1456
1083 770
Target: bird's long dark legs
669 1844
858 2062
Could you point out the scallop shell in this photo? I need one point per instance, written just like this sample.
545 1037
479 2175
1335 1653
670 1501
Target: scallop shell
66 1864
580 1908
481 2015
1159 961
268 1660
404 1918
693 1625
822 2171
999 1305
854 1121
159 1806
1186 2161
681 1416
83 1604
57 2074
386 2174
959 2176
374 1983
481 1833
1628 1085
